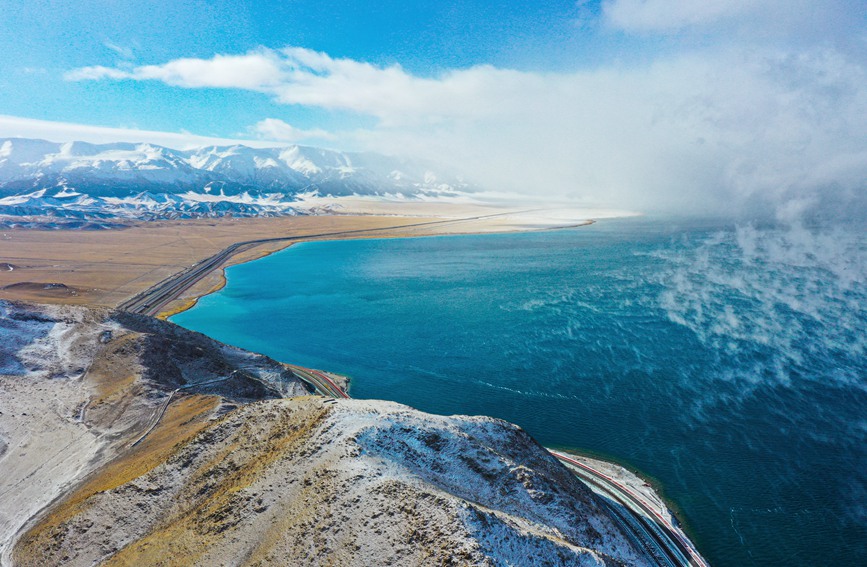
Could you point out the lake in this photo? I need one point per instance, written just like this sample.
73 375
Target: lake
727 363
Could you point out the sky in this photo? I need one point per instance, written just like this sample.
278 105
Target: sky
643 104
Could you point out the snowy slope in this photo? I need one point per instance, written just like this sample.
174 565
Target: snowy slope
230 475
82 180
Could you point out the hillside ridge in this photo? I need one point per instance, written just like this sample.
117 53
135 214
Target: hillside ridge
254 469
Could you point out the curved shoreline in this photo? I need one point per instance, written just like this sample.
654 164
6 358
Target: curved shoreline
648 515
190 302
650 518
194 298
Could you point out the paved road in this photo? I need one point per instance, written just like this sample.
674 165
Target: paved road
322 383
654 532
154 299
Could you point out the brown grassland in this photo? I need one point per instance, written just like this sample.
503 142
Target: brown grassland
105 267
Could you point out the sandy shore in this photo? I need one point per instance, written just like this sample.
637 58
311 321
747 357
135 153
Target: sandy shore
107 267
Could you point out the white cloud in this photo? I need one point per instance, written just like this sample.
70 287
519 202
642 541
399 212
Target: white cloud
251 71
95 73
718 127
714 132
123 52
301 76
275 129
797 21
18 127
254 71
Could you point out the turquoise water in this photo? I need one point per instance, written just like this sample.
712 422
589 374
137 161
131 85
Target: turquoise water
728 363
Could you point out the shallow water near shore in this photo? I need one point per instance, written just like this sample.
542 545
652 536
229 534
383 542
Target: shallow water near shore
729 363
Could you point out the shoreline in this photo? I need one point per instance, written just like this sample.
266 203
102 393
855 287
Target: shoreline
220 271
108 267
650 518
213 278
188 302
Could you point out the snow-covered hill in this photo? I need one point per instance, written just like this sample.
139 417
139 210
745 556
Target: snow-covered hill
230 474
78 180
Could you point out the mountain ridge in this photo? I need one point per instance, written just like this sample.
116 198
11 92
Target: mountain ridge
81 180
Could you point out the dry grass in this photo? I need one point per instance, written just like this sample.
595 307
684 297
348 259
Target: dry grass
200 521
184 418
107 267
112 372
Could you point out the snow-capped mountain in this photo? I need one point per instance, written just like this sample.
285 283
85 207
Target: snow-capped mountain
92 181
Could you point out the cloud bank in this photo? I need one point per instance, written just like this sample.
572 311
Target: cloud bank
278 130
720 127
17 127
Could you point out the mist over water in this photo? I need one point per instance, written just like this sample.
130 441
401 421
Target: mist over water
726 361
775 300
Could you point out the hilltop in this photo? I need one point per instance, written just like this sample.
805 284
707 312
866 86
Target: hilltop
245 466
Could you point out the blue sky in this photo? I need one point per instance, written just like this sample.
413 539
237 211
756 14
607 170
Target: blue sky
42 40
631 102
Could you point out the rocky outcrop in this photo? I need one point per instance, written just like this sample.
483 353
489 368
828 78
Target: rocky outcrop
78 386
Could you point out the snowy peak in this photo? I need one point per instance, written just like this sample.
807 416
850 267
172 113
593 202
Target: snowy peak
289 169
108 178
22 160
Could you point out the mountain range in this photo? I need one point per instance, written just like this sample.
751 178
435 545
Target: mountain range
86 182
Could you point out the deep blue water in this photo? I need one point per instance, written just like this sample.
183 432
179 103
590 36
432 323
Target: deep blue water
727 363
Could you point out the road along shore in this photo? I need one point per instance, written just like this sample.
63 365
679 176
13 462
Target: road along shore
107 267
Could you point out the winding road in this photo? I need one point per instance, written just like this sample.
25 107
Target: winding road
652 531
319 380
158 415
